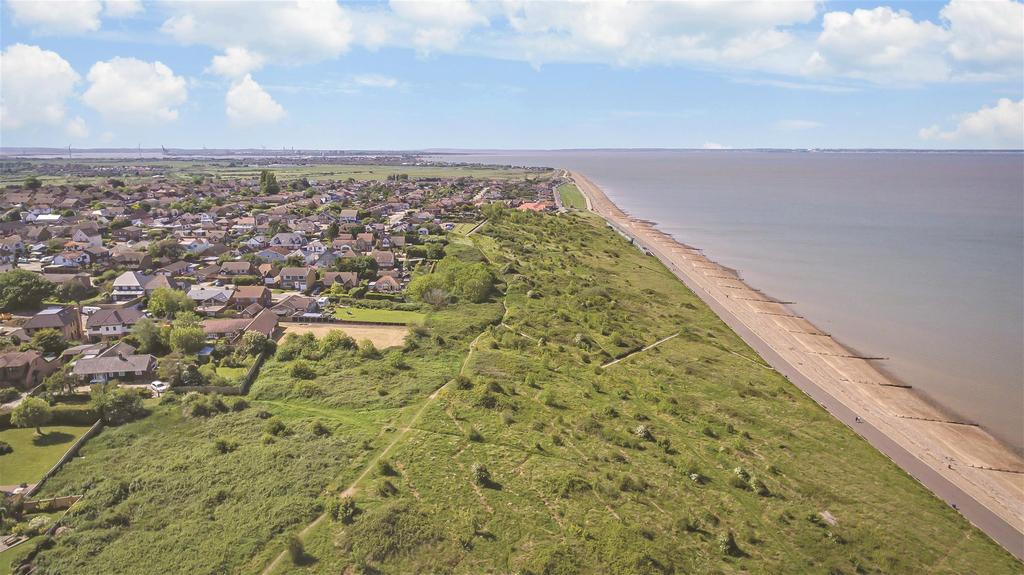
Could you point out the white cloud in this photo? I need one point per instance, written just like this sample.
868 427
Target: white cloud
375 81
77 128
797 125
881 44
235 63
438 25
122 8
248 104
36 84
1000 126
714 146
70 16
129 90
986 32
294 31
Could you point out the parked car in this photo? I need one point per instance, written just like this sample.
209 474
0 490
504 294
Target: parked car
159 386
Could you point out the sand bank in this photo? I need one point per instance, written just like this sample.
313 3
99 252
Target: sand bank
957 460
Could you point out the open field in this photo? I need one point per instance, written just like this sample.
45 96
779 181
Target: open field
382 336
284 171
379 315
522 455
571 196
35 455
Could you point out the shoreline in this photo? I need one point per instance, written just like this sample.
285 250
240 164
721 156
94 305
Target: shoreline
958 461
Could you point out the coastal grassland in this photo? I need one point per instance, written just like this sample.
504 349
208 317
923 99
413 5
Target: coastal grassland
691 457
33 454
571 196
232 487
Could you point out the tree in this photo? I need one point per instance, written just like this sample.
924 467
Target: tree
332 231
268 183
22 289
75 291
364 266
33 183
166 302
49 341
151 338
253 342
61 382
167 248
31 412
187 339
116 405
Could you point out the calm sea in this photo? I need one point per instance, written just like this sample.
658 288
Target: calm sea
917 257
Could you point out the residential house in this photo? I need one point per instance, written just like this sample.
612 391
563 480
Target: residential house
296 306
249 295
287 240
237 268
265 322
72 259
300 278
385 260
65 319
118 362
210 300
107 323
129 286
347 280
386 284
24 369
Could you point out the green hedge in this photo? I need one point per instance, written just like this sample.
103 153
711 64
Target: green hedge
62 415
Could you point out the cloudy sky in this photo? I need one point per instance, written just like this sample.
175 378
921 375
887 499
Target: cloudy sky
512 74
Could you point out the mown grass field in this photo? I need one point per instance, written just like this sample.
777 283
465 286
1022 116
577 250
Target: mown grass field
34 455
571 196
379 315
691 457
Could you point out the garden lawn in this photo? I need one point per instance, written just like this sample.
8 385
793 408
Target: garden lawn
368 315
34 455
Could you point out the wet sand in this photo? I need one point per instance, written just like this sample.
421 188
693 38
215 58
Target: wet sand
957 460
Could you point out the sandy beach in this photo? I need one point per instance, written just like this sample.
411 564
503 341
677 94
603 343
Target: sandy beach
957 460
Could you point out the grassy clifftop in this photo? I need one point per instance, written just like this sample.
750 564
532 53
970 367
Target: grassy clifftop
691 456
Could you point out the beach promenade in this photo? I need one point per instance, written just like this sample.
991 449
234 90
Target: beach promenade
957 460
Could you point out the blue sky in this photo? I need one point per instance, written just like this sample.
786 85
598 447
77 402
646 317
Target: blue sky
412 75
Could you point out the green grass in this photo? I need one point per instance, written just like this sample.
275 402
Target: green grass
34 455
571 196
368 315
222 168
234 375
464 228
573 489
15 555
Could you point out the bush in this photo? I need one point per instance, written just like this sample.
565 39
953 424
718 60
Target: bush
727 545
302 370
223 445
5 448
643 432
481 475
275 427
296 551
473 435
8 394
384 467
343 509
367 350
319 429
239 404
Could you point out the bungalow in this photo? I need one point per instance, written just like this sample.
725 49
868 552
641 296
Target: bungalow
177 268
275 254
24 369
287 240
385 260
71 259
347 280
386 284
301 278
349 216
237 268
118 362
364 241
112 322
65 319
296 306
129 286
210 300
264 322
